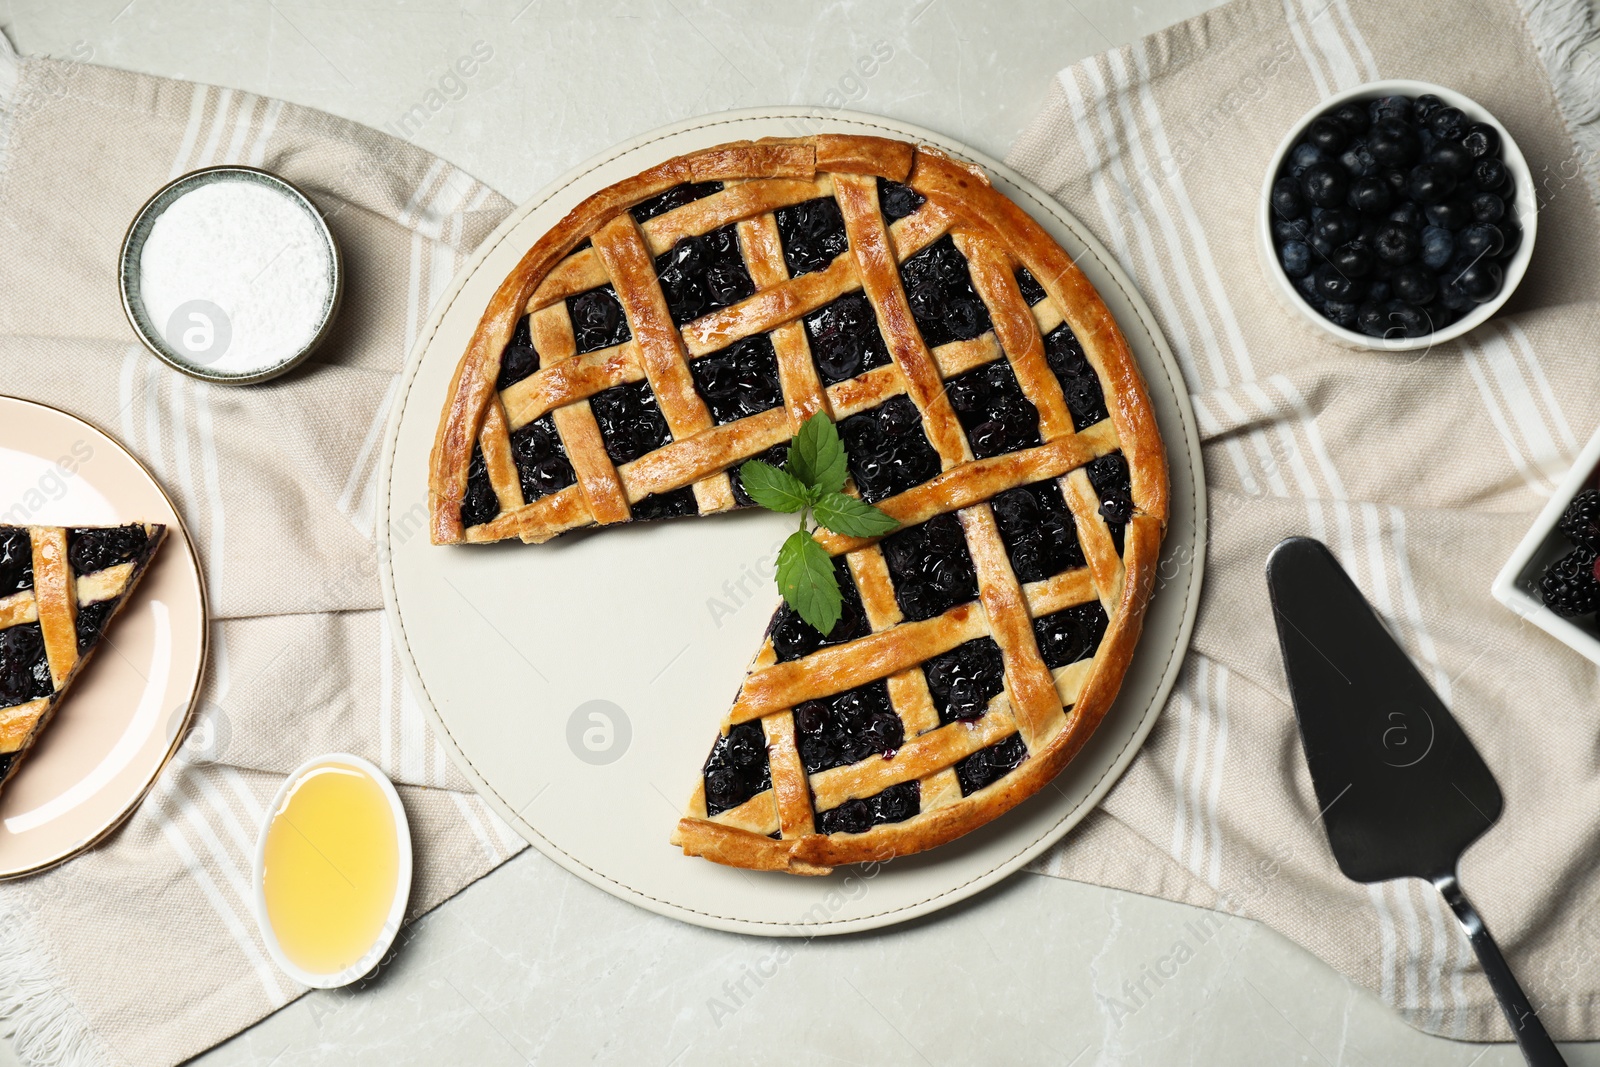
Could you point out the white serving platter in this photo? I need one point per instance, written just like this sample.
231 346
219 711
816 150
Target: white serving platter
579 684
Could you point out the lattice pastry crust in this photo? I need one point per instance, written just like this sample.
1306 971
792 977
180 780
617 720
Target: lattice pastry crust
596 390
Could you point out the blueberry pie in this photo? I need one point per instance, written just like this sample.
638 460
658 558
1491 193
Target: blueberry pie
59 589
690 318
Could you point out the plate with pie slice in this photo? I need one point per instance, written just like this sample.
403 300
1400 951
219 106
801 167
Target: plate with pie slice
102 634
582 591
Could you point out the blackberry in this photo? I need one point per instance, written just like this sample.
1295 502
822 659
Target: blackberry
1569 587
1580 523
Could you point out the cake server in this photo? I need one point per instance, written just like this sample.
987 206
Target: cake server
1402 790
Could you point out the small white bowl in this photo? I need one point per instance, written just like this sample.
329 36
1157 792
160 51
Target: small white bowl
1524 206
402 893
1517 584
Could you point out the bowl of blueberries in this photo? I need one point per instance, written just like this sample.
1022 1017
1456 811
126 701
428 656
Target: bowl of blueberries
1397 215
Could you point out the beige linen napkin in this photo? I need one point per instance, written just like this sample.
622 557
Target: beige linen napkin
1421 471
145 950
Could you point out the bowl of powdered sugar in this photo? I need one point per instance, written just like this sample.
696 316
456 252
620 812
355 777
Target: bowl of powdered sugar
230 274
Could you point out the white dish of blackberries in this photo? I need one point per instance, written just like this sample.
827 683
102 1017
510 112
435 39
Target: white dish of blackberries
102 634
1552 578
1396 216
577 680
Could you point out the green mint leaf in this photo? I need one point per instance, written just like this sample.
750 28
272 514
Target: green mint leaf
816 456
849 517
774 489
807 581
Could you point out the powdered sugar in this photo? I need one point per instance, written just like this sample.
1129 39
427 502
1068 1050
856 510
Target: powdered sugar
235 275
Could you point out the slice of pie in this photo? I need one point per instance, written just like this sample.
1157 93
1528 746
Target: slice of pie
690 318
59 590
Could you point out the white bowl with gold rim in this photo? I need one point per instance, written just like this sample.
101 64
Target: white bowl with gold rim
331 883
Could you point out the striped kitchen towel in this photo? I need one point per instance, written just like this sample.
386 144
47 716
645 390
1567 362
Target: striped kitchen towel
145 950
1420 470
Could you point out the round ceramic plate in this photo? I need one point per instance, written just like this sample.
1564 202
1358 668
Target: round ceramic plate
125 714
579 683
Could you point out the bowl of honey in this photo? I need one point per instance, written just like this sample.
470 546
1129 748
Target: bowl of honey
332 871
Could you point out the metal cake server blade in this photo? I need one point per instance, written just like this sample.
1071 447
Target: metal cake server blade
1403 792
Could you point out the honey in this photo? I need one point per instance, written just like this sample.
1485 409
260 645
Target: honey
330 869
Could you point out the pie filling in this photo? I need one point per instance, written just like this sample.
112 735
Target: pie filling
939 289
793 637
993 411
16 560
988 765
965 679
1110 477
24 668
847 728
895 804
1037 529
737 768
812 234
931 568
703 274
738 381
631 424
844 338
887 449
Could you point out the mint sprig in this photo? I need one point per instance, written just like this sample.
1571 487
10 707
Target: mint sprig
811 482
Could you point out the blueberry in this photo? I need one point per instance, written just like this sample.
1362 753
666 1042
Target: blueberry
1296 258
1448 122
1307 155
1341 312
1371 319
1480 280
1425 105
1391 108
1331 285
1415 285
1407 319
1336 228
1408 214
1451 156
1378 291
1324 185
1307 285
1286 202
1393 143
97 548
1452 295
1452 214
1353 117
1357 159
1370 196
1285 230
1476 242
1429 183
1354 260
1395 180
1437 247
1490 175
1396 242
1481 140
1513 236
1327 134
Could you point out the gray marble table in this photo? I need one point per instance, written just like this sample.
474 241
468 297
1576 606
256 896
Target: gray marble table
533 965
